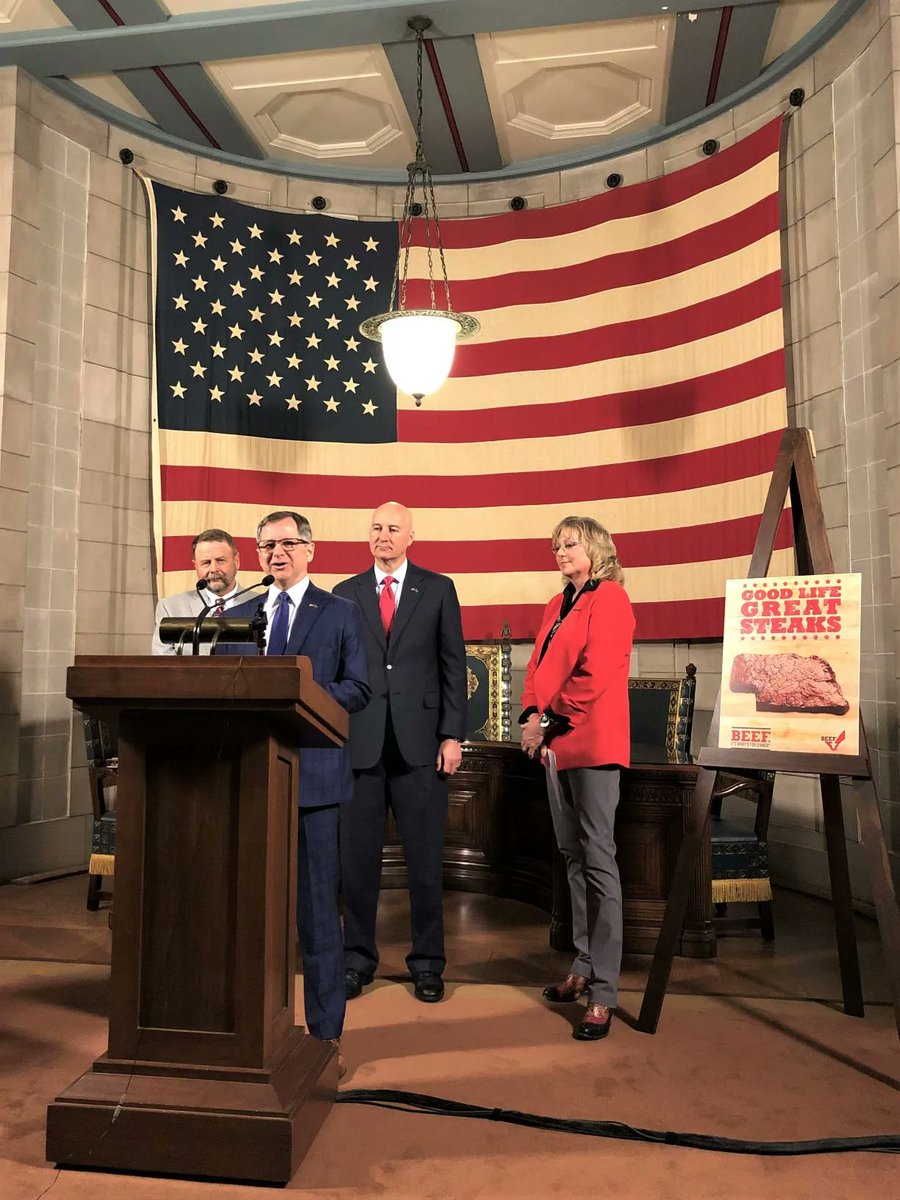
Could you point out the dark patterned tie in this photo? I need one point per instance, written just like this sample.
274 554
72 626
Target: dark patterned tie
219 610
281 624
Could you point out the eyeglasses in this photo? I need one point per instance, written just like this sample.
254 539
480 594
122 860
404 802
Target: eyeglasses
289 544
564 546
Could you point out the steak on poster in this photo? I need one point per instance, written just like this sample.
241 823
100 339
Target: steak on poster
789 683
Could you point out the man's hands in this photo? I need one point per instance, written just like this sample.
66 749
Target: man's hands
532 735
449 756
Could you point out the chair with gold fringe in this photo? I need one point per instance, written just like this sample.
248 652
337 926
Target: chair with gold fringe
740 854
103 770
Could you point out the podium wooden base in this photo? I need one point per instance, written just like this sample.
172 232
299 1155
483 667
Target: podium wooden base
215 1122
206 1071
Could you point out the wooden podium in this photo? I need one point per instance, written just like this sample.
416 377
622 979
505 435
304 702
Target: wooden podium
206 1072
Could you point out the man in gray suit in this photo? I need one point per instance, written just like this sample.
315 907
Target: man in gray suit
217 561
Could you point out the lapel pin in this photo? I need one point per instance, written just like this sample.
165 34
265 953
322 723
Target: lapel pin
416 590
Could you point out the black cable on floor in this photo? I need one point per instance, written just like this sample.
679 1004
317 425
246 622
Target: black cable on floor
439 1106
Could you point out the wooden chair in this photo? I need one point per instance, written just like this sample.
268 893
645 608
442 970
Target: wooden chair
488 688
103 770
740 855
662 715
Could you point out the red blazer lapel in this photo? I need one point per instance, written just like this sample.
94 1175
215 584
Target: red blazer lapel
562 653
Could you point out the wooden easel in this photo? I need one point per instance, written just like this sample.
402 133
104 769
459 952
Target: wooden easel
794 472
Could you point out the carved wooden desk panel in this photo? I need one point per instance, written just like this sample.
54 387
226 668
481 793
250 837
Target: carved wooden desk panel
500 842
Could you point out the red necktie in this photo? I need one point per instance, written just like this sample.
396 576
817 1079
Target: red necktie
387 604
219 609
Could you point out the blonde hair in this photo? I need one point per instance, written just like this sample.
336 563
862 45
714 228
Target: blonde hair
598 545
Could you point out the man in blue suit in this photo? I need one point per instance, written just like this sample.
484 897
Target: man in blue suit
303 619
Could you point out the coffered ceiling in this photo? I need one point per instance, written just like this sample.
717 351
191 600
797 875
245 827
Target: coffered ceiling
327 87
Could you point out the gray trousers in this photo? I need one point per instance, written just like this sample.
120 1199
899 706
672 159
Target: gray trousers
583 804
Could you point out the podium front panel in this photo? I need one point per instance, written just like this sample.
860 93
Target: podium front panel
205 891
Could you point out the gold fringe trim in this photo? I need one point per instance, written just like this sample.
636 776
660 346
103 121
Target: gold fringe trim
733 891
102 864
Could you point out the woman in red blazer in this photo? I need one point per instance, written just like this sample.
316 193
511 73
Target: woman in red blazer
575 715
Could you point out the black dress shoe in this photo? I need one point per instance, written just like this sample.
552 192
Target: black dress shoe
429 987
355 981
595 1024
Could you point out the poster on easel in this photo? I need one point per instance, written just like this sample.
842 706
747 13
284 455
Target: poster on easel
790 664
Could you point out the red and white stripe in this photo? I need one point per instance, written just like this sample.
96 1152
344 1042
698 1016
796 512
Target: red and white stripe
630 366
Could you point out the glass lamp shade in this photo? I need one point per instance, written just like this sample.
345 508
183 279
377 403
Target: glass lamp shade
418 350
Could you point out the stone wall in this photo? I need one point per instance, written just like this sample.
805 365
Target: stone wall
76 567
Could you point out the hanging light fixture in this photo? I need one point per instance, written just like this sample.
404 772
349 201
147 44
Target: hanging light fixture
418 343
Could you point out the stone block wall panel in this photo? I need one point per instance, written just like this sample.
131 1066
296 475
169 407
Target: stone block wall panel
75 353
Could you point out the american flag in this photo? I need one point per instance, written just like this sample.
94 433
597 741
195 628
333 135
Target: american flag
630 366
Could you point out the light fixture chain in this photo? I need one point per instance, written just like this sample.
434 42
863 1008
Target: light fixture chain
402 273
440 242
420 39
429 204
421 167
401 276
429 217
419 354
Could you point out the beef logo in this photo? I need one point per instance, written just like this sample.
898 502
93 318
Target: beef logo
833 742
745 736
789 683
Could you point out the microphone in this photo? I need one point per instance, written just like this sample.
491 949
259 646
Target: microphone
195 638
266 581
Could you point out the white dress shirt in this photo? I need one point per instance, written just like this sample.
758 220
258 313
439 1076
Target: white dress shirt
213 600
296 593
398 576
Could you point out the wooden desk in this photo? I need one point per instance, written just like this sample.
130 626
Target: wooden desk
500 842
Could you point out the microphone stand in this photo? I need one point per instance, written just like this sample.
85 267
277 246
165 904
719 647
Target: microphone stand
195 636
258 624
266 581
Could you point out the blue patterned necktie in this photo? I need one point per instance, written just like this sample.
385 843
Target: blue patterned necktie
281 624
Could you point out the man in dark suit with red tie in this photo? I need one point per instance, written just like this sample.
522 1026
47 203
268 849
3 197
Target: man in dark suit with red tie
304 619
403 747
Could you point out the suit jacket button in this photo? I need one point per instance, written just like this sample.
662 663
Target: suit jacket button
390 666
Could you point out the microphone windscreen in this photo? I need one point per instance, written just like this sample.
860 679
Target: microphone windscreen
267 580
201 585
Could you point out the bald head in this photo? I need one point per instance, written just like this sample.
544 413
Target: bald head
390 534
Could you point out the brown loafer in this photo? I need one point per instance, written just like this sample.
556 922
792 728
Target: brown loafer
594 1024
571 988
